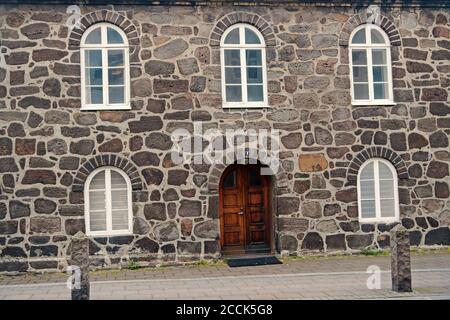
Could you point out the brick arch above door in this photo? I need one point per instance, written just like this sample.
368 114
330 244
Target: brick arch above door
279 179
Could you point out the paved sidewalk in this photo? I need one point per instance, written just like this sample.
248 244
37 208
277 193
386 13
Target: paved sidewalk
317 278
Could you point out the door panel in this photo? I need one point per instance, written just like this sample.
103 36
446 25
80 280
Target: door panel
245 219
232 204
257 223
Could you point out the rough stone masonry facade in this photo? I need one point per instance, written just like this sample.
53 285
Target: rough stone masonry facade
48 146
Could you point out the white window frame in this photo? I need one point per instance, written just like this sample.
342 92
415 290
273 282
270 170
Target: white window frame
368 46
378 218
242 47
104 47
109 231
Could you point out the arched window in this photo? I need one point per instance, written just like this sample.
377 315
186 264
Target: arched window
107 199
105 75
243 56
378 192
370 66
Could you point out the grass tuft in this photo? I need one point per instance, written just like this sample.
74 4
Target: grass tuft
132 265
371 251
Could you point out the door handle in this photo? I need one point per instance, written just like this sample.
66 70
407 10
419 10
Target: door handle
241 212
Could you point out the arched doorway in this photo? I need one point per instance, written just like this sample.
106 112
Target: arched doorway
244 202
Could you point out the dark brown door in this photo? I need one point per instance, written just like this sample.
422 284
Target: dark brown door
244 195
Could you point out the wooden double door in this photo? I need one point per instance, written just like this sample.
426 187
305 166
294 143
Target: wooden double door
244 210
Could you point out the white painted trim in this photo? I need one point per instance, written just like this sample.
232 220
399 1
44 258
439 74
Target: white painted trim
243 65
108 202
368 46
378 217
105 47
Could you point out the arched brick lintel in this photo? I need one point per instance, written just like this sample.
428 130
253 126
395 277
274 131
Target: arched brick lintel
280 178
378 19
242 17
375 152
94 17
103 160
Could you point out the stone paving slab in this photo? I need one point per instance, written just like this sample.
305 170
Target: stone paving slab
321 278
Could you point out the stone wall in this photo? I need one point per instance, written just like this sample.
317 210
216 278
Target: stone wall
47 145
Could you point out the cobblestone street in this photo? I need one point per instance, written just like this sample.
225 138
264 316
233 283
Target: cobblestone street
311 278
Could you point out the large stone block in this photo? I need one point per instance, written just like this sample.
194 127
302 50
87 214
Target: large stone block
287 205
207 229
312 162
312 241
45 224
190 208
166 231
171 49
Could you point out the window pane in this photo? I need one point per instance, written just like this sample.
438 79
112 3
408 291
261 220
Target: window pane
376 36
116 76
93 58
254 179
120 219
116 95
255 93
117 181
96 200
367 208
119 199
380 90
94 95
97 220
360 74
359 37
380 74
367 172
230 180
114 36
386 189
254 75
379 57
361 91
232 37
94 37
253 57
359 57
232 58
94 77
251 37
384 171
115 58
232 75
387 207
234 93
367 190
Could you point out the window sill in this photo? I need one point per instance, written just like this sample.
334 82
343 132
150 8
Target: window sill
371 103
378 220
109 233
105 108
245 106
